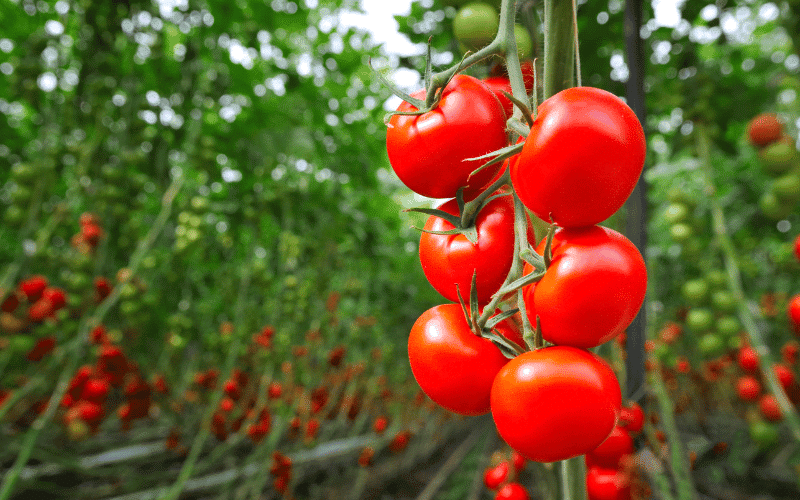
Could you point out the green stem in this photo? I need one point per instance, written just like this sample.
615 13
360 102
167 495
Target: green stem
558 46
678 456
573 479
748 314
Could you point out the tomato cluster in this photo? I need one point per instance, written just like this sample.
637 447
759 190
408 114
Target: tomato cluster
581 286
779 159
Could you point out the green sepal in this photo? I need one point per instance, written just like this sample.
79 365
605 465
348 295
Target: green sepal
526 112
494 320
508 348
522 282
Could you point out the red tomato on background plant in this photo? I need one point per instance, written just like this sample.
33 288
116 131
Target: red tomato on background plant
452 365
582 158
555 403
631 417
427 152
607 484
617 445
493 477
797 247
512 491
794 313
450 260
592 290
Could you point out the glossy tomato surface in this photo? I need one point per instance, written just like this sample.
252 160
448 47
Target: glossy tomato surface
607 484
427 152
450 260
794 313
582 158
555 403
452 365
592 290
617 445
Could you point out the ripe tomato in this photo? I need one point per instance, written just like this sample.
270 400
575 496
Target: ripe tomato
512 491
747 357
592 290
607 484
748 388
764 129
427 152
797 247
555 403
632 417
616 446
582 158
452 365
768 405
493 477
450 260
794 313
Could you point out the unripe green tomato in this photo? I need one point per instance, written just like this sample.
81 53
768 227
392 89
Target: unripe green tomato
476 25
728 326
677 194
778 157
772 207
524 43
14 215
676 212
787 188
199 204
111 172
734 343
764 434
130 307
695 291
78 281
724 301
699 319
23 173
692 248
680 232
21 343
711 345
717 278
21 195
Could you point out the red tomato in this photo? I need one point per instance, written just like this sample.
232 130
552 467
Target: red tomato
498 84
607 484
768 404
592 290
784 375
632 417
450 260
555 403
582 158
512 491
748 388
616 446
493 477
764 129
797 247
427 152
794 313
747 358
452 365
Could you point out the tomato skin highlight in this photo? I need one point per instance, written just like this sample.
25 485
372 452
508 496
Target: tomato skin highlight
593 289
555 403
452 365
427 151
582 158
450 260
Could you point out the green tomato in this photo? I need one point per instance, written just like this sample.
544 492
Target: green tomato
680 232
22 173
734 343
717 278
524 43
14 215
764 434
695 291
699 319
476 25
678 194
778 157
787 188
772 207
728 326
711 345
724 301
676 212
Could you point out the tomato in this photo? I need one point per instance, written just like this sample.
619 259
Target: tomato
768 405
555 403
784 375
475 25
493 477
764 129
711 344
764 434
450 260
778 157
582 158
695 291
512 491
592 290
747 358
427 152
797 247
631 417
748 388
452 365
616 446
498 84
607 484
794 313
699 319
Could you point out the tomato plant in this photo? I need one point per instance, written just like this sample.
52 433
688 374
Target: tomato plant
428 151
452 365
592 290
573 394
582 158
449 260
